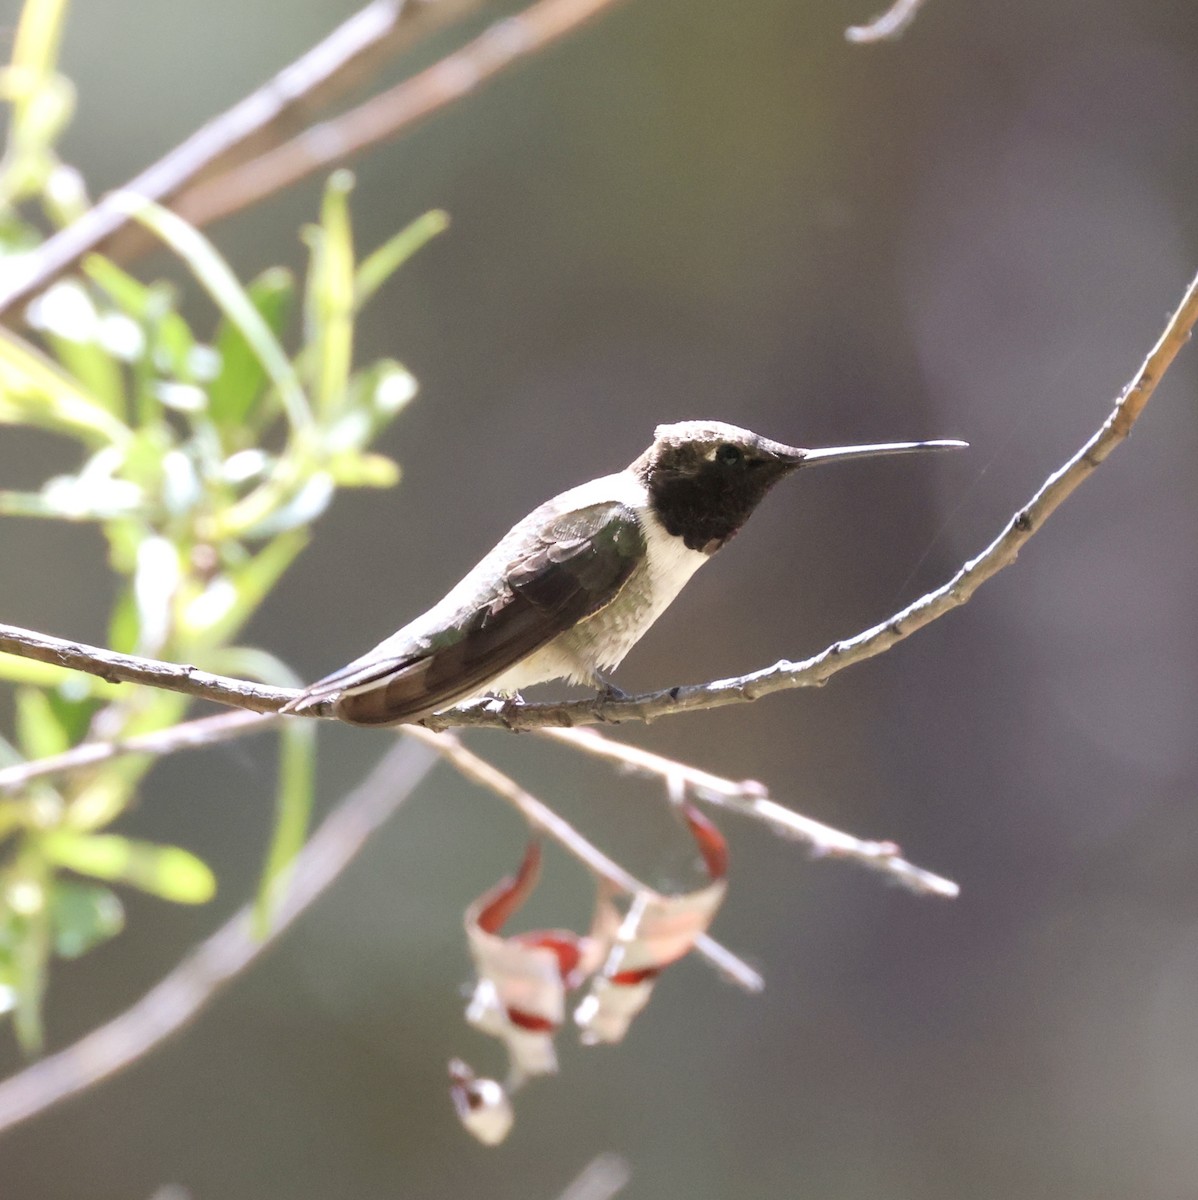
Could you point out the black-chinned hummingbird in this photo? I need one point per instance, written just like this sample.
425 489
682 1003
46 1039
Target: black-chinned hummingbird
573 587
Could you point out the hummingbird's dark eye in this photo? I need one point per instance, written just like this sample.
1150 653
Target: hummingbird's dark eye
729 455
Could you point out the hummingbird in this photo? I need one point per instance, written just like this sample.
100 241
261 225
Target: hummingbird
570 589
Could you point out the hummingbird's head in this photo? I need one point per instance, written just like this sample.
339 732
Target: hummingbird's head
705 478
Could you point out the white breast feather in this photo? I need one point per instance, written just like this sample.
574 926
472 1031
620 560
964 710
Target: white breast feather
602 641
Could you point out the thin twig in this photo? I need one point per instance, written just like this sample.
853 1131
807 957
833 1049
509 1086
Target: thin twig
750 798
129 668
747 797
175 1000
542 817
187 735
351 53
782 676
392 112
605 1176
892 23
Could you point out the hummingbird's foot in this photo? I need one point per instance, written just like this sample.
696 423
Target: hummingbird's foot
606 689
506 706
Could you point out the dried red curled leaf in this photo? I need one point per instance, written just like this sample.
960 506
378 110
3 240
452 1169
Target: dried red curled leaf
520 996
567 947
657 931
496 906
711 842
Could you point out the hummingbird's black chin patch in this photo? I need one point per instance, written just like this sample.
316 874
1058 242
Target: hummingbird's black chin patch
707 504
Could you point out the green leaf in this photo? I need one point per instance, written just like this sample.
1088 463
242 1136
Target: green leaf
39 33
174 346
130 295
293 809
329 298
66 317
82 916
237 388
41 100
34 391
165 871
363 470
73 706
377 393
218 279
40 734
29 961
124 625
383 390
24 950
377 267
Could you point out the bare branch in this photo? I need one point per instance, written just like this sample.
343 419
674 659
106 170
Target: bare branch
187 735
540 816
177 999
391 113
750 798
351 53
892 23
782 676
129 668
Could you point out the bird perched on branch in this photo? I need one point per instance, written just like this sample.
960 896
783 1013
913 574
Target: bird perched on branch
573 587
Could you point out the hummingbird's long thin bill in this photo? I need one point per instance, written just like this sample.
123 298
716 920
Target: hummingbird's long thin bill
841 453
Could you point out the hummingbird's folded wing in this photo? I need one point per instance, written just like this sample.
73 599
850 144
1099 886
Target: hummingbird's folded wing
543 583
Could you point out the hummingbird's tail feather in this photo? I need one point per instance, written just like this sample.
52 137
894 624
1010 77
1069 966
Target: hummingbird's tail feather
370 691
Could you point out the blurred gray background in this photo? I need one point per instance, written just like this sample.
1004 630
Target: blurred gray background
708 209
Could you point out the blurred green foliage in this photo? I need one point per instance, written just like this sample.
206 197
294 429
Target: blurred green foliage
203 461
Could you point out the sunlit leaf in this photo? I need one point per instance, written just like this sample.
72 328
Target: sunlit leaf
165 871
104 797
124 625
34 391
174 349
378 266
329 297
83 497
39 33
376 395
382 390
133 297
73 705
233 394
364 470
47 507
229 296
302 509
41 100
82 916
40 734
66 317
29 961
64 195
24 950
